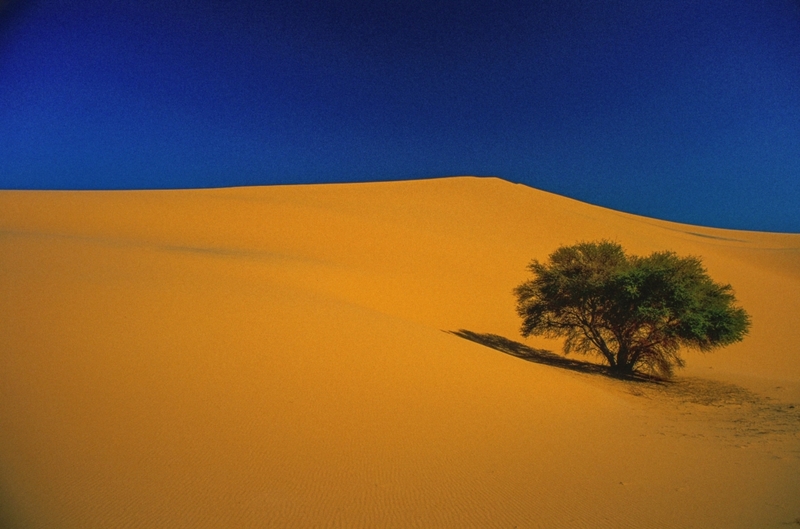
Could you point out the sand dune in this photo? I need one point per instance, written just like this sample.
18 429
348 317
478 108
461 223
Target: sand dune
282 357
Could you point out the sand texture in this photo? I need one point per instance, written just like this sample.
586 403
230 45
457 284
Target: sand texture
349 356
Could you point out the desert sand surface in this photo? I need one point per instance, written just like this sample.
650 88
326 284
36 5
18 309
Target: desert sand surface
290 356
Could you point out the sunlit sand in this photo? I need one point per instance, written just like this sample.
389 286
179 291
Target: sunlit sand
289 357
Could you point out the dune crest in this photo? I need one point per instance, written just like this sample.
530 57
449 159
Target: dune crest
274 357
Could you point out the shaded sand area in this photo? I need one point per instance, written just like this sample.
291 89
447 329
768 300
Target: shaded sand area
349 356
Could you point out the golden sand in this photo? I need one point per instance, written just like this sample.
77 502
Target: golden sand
278 357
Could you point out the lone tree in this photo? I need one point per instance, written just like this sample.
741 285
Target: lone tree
637 312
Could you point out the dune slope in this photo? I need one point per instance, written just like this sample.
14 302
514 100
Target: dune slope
281 357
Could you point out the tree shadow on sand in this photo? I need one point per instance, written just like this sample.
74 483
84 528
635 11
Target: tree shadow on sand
542 356
739 411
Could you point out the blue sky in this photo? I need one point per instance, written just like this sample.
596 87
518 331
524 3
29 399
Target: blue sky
682 110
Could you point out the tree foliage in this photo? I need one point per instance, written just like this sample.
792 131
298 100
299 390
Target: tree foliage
637 312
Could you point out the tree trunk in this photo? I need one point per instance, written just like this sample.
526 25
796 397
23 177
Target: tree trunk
623 369
612 360
624 365
623 355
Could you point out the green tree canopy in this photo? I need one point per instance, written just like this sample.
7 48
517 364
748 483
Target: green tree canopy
637 312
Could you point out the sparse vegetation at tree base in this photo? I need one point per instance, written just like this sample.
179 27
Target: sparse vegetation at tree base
635 312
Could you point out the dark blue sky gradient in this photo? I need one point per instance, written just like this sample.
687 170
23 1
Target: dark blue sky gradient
678 109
